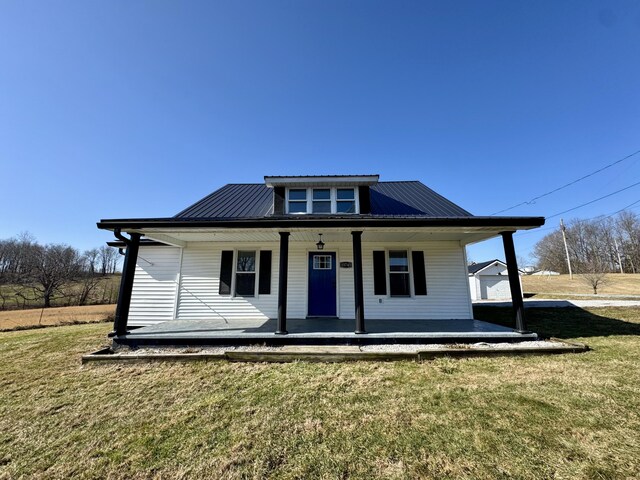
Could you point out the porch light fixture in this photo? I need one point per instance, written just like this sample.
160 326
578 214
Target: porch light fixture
320 243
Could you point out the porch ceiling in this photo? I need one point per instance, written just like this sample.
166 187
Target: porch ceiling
180 237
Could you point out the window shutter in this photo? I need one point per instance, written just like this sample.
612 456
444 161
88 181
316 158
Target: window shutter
364 197
379 273
419 276
278 200
226 270
264 283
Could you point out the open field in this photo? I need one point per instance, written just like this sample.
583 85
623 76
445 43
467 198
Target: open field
17 319
19 297
616 284
562 416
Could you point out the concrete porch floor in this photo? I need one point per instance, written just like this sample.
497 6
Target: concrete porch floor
319 332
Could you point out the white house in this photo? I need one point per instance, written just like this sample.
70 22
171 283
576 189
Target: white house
489 281
298 247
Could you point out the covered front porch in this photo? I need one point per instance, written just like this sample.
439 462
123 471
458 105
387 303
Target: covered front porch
348 239
319 332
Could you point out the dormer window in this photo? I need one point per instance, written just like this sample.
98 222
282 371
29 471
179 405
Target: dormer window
346 200
322 200
298 200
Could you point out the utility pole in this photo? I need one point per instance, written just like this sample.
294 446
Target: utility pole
566 249
615 242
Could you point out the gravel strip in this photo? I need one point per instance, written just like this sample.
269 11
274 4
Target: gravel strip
405 348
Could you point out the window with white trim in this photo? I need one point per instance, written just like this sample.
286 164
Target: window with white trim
322 262
297 200
345 200
322 200
246 273
399 281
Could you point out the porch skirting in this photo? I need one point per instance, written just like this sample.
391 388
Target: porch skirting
319 332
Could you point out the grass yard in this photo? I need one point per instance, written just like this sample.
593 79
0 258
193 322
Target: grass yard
615 284
38 317
557 416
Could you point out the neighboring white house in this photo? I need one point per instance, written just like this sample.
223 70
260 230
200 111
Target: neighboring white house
347 247
546 273
489 281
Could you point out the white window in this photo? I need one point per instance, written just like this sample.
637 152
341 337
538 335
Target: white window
322 262
298 200
345 200
246 273
399 284
322 200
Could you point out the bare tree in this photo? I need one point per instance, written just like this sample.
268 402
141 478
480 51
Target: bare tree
108 260
594 274
49 268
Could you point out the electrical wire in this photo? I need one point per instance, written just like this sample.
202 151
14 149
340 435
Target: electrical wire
529 202
593 201
601 217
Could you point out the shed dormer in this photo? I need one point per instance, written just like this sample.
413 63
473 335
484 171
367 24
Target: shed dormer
318 195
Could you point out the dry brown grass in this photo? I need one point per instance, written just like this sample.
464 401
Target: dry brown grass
616 284
540 417
18 319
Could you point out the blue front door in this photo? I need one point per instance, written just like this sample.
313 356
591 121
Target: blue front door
322 284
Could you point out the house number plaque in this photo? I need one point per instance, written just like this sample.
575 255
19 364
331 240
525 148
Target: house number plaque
346 265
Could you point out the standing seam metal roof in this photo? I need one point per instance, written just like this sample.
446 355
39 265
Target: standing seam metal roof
410 198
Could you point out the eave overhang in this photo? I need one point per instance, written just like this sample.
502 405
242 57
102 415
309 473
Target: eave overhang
361 221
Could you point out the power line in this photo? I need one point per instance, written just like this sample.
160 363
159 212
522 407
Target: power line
529 202
593 201
602 217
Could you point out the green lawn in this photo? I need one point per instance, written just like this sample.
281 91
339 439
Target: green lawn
559 416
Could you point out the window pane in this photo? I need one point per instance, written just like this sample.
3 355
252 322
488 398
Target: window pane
322 207
297 207
246 284
321 194
346 207
399 284
398 261
298 194
345 194
322 262
246 262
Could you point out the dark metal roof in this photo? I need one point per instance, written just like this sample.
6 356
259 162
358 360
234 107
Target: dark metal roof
411 198
393 204
387 199
476 267
233 201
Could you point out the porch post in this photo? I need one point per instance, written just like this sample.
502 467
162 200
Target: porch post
514 281
126 284
357 281
281 328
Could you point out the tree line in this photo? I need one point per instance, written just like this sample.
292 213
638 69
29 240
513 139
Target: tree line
33 274
604 245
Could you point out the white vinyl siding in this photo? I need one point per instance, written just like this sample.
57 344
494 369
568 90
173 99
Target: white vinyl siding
155 285
447 291
199 296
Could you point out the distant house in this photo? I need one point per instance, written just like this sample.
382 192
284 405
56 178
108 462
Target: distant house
547 273
298 247
489 281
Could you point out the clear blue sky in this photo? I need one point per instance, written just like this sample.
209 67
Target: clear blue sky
138 108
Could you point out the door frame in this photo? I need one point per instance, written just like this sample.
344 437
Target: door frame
309 251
